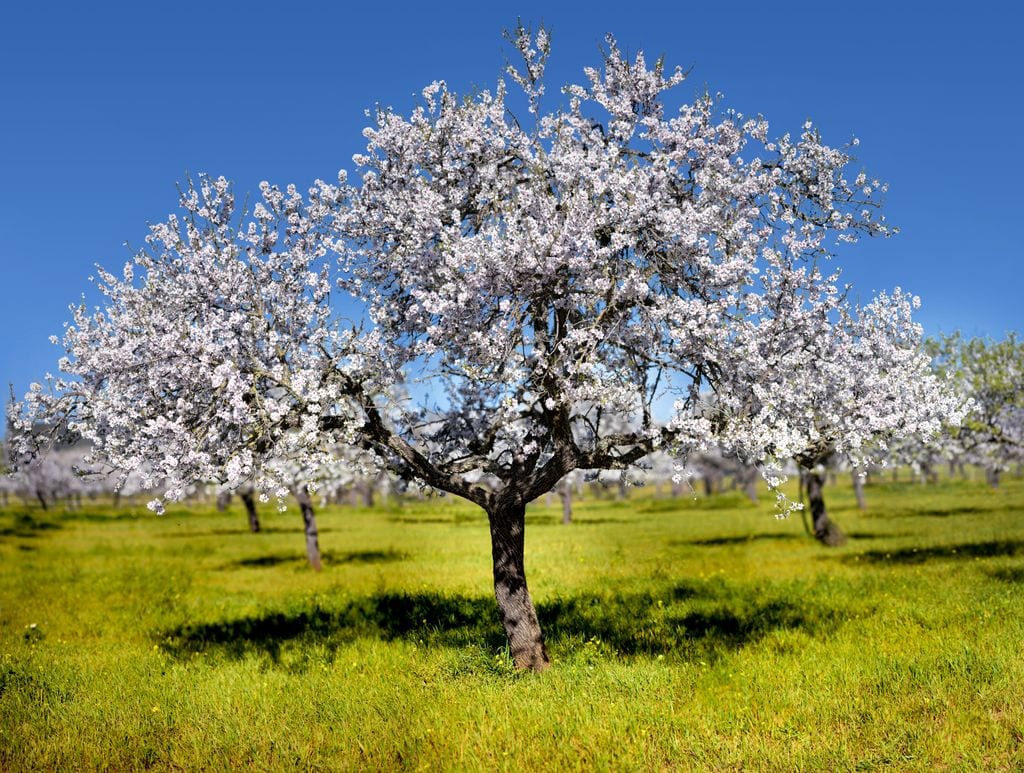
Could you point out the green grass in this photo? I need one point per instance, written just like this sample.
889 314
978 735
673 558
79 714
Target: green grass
686 634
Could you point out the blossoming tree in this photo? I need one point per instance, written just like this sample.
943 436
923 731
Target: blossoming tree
535 278
992 374
871 383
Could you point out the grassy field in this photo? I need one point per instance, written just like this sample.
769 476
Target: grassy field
686 634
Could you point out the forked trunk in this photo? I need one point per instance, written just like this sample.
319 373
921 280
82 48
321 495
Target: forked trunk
309 521
508 522
825 530
249 500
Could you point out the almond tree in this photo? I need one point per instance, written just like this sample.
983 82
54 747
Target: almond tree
992 374
535 277
869 381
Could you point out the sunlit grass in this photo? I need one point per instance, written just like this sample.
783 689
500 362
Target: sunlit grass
690 633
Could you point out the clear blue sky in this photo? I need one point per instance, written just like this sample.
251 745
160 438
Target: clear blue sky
105 108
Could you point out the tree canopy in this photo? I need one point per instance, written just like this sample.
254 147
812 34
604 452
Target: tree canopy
543 283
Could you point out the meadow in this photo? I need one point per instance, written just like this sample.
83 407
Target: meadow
686 634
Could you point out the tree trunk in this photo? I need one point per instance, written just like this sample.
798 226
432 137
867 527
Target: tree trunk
709 485
249 500
858 490
42 499
309 520
368 495
508 525
565 492
750 478
825 530
223 500
992 476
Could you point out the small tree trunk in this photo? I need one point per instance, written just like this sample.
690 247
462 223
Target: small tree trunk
249 500
309 521
709 485
42 499
991 476
750 484
508 525
368 495
858 490
223 500
565 492
825 530
623 487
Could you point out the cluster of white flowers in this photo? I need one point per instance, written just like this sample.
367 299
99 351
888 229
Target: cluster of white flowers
536 282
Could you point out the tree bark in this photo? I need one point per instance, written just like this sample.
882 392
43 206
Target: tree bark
309 521
825 530
249 500
508 526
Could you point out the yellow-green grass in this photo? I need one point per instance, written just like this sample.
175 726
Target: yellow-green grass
686 634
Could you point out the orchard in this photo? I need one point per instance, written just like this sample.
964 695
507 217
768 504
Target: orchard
512 292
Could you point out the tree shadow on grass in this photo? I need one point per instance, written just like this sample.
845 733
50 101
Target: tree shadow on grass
1014 574
25 525
944 512
552 519
877 534
963 551
742 539
352 557
105 516
687 621
241 530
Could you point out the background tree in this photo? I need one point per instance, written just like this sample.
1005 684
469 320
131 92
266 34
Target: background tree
992 374
869 382
536 277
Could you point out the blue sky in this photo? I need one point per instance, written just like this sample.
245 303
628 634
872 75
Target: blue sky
103 109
